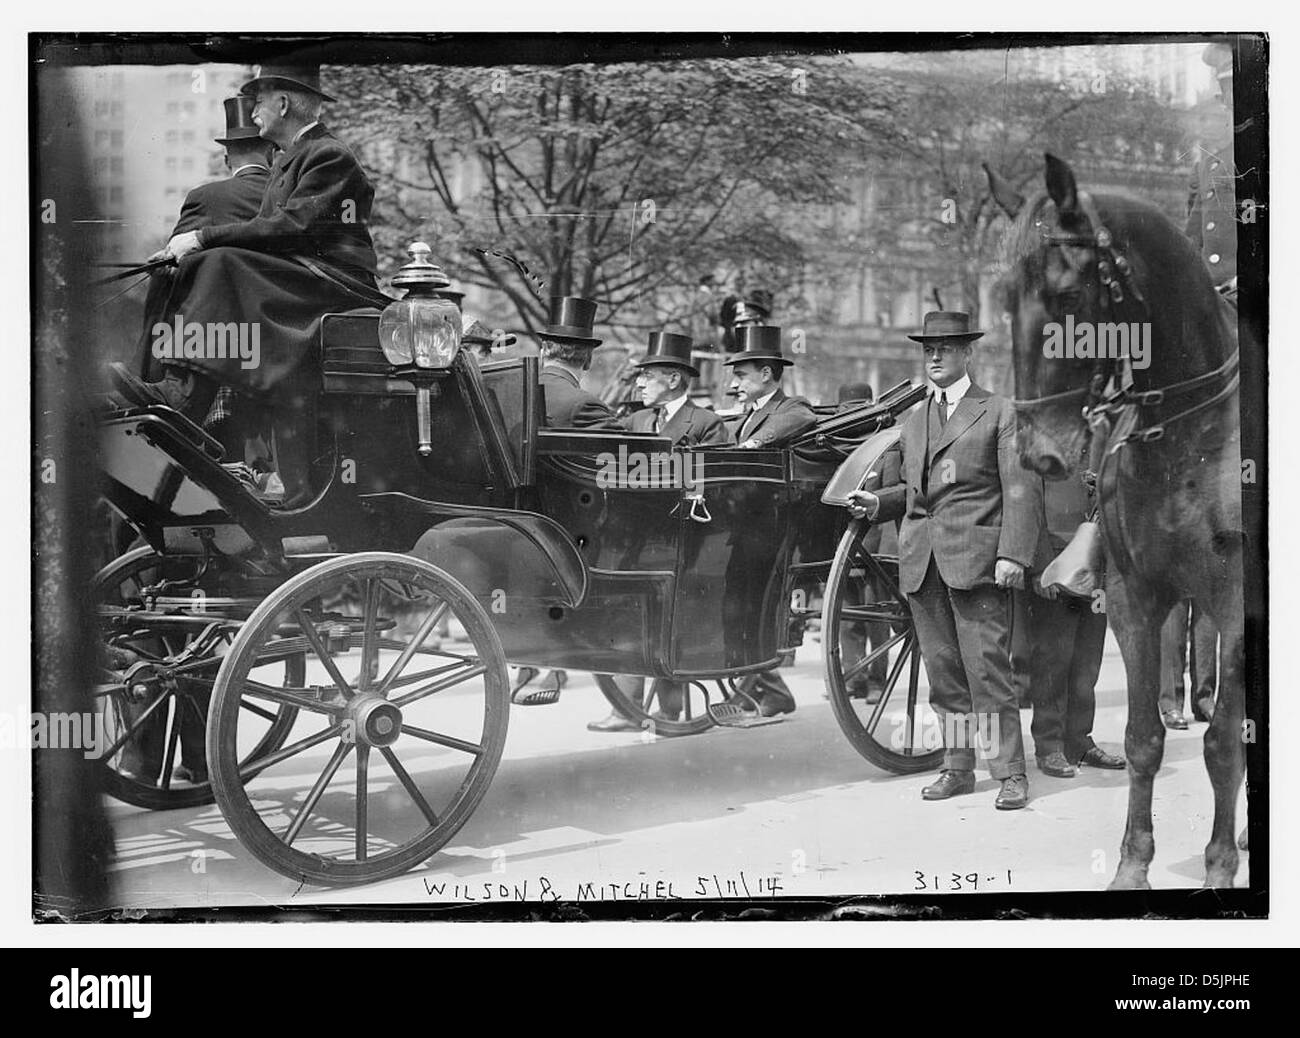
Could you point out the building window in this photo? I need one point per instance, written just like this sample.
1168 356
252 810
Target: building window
115 139
170 162
115 164
172 136
173 108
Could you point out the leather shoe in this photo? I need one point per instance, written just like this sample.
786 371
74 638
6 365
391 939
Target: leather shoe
615 722
1056 765
1203 709
773 701
1099 758
1014 794
1174 719
949 784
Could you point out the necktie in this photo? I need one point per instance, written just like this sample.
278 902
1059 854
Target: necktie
659 419
943 410
744 425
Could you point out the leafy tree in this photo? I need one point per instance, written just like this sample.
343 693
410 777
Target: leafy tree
633 184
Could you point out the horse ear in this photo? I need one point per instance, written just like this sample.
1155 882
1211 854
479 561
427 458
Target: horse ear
1061 186
1007 197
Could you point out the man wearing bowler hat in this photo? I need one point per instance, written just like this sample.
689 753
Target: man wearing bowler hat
663 379
567 346
306 253
968 533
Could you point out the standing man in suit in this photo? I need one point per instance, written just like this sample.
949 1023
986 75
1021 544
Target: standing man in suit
663 378
306 253
967 535
1058 641
770 420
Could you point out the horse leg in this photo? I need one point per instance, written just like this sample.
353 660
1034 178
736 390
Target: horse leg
1137 623
1225 756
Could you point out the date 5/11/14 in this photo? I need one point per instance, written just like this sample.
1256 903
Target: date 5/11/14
959 882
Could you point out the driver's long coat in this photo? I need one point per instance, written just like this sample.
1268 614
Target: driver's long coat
964 499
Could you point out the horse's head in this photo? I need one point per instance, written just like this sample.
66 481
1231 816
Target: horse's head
1078 290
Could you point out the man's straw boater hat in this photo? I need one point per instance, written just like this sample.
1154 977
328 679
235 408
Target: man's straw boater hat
294 77
669 348
239 120
571 320
761 342
946 324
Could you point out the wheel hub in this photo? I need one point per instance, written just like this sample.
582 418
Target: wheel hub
374 721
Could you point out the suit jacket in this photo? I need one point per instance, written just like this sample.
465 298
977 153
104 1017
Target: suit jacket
689 426
778 421
568 406
317 204
232 200
972 507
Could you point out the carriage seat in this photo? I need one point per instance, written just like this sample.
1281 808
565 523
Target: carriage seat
351 360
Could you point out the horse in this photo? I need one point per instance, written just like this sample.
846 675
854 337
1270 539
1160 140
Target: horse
1125 360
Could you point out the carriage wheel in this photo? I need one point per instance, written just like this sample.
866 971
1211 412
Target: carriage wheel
897 732
145 702
396 741
636 698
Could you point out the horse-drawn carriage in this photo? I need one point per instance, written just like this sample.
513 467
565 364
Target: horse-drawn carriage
348 735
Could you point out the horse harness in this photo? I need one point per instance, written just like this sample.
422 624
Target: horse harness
1112 408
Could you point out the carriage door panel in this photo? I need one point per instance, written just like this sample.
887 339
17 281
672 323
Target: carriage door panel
728 602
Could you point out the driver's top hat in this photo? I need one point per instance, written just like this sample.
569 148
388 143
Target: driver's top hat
946 324
239 120
295 77
668 348
571 320
758 342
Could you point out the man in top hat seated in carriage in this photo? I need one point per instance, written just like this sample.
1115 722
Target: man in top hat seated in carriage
567 346
306 253
769 420
663 378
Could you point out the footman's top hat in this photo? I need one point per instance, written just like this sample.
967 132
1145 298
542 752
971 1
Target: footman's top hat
571 320
669 348
477 331
295 77
946 324
239 120
758 342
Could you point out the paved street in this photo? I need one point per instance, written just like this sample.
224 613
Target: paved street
787 809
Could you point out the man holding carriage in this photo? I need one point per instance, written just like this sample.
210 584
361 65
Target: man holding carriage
968 533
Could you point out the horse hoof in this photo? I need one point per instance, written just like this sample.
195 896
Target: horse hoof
1219 879
1243 844
1130 881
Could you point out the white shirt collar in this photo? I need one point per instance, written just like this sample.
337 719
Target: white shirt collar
953 393
250 165
673 406
297 136
761 402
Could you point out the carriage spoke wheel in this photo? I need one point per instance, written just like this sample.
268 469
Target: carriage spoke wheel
683 712
396 740
867 629
148 699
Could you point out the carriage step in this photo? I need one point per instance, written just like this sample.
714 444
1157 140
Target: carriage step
729 715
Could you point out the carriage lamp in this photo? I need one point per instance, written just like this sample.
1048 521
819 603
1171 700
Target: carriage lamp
422 329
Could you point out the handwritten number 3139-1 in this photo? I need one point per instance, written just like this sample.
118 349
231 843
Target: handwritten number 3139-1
956 881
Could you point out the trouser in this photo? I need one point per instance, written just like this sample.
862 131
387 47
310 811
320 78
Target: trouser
965 641
1173 656
1061 641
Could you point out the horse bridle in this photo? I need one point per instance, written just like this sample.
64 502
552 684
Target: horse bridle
1108 389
